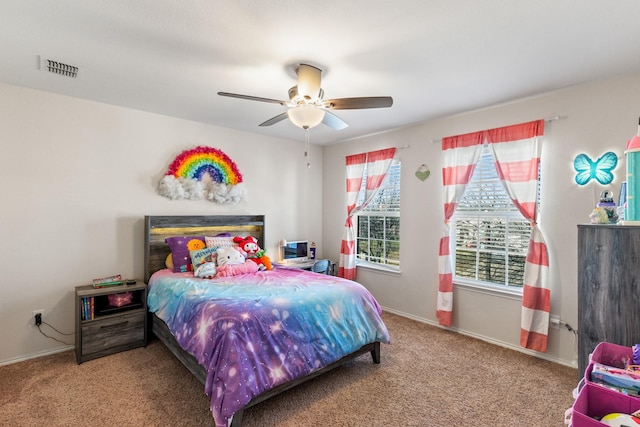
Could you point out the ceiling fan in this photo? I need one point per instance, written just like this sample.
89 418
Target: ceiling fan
306 107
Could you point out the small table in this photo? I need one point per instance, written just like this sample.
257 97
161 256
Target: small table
102 328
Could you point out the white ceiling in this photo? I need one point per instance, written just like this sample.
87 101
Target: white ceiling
434 57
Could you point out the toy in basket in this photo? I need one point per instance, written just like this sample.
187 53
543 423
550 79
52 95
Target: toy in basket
607 397
620 420
615 366
121 299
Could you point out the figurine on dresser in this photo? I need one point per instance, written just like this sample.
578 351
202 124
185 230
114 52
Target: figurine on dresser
605 211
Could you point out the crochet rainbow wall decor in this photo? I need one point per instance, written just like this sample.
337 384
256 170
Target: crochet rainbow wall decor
203 173
195 163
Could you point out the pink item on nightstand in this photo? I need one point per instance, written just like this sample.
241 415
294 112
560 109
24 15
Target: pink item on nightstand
118 300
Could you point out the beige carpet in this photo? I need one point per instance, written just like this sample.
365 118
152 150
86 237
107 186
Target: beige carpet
428 377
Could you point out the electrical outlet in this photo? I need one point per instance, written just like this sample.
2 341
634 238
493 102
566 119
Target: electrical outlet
34 314
554 321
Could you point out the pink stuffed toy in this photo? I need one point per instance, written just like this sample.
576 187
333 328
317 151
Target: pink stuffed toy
249 245
231 262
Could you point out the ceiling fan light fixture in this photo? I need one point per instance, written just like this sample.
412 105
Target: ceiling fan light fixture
309 81
307 108
305 116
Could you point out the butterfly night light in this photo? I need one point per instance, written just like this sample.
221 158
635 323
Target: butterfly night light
600 170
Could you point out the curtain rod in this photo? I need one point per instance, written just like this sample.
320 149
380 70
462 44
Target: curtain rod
547 119
401 147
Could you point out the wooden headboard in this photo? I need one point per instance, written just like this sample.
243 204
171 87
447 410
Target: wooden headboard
158 228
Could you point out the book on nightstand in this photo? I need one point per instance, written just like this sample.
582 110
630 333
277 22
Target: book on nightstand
102 282
88 308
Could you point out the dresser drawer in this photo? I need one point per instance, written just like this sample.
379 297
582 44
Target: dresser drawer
107 334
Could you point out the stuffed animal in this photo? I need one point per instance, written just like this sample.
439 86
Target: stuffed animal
205 270
204 265
249 245
229 256
231 262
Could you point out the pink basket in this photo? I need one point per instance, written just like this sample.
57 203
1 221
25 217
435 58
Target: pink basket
610 354
118 300
595 401
605 353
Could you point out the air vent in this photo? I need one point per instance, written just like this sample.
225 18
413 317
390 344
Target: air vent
58 67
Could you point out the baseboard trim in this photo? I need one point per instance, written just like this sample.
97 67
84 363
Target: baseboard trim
483 338
390 310
35 355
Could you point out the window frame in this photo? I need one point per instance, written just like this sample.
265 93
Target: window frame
509 215
370 212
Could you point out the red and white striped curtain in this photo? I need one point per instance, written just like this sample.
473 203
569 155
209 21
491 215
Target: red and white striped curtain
516 150
461 154
377 163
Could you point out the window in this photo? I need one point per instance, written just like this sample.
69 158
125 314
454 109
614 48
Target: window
378 225
491 236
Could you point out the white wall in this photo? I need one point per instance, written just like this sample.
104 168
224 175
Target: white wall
598 117
77 178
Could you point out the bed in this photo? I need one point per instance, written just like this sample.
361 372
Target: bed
252 336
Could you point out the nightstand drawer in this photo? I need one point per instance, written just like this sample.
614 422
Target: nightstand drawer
106 334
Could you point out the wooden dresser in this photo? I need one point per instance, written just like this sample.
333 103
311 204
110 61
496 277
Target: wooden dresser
608 287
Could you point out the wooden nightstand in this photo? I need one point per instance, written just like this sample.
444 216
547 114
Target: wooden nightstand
103 328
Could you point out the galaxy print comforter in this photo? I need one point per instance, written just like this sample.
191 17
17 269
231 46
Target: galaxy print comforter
255 331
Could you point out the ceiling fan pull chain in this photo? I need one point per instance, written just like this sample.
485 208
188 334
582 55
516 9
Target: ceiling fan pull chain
307 154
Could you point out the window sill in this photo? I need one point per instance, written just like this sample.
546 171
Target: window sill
498 291
378 268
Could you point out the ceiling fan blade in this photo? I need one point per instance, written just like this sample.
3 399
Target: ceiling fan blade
274 120
358 103
252 98
333 121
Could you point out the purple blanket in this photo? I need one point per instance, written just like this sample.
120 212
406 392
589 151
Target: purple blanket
255 331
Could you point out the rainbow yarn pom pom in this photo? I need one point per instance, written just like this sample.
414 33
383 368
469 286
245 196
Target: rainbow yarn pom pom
195 163
185 178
